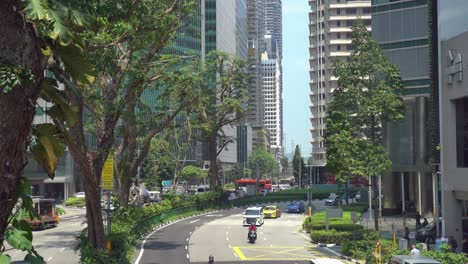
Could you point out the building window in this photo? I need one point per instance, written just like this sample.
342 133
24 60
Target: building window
349 35
461 114
338 11
366 10
338 23
338 35
349 23
338 47
351 11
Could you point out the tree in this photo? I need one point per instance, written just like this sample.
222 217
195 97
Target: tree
261 163
159 163
222 105
123 44
369 93
193 173
34 37
284 165
298 164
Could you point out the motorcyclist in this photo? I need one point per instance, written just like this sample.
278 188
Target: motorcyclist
253 228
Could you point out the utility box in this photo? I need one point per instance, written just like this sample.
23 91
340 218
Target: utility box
402 243
251 189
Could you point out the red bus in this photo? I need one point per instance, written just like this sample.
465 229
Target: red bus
263 184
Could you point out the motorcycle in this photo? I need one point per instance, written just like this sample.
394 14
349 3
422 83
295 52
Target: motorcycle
252 236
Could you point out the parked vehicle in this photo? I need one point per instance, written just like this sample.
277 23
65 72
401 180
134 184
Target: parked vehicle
427 234
332 201
296 207
405 259
80 195
46 209
155 196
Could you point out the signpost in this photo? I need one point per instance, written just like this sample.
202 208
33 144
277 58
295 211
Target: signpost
107 183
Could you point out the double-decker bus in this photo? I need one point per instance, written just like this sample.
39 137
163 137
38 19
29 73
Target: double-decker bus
263 184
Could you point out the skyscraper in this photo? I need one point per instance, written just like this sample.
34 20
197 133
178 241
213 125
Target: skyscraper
330 30
402 30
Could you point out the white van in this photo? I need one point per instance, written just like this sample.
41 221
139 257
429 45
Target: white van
406 259
155 196
203 189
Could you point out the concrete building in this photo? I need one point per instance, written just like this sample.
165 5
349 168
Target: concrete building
454 131
452 24
330 35
270 69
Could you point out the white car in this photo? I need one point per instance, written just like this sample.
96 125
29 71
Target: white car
80 194
253 215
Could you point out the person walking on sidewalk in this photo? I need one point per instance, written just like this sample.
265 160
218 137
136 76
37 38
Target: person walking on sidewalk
414 251
407 233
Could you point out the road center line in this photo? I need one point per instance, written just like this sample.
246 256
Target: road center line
194 221
49 259
188 256
62 249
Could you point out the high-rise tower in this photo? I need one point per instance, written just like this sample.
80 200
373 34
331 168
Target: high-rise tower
330 30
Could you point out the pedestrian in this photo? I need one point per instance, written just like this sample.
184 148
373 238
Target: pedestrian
414 251
444 239
418 218
453 244
425 223
407 233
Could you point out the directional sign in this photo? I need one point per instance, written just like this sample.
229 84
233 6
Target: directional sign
108 173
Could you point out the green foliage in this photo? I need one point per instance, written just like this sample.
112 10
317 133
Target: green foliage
329 237
60 211
447 257
192 172
263 161
370 93
298 163
12 76
75 202
360 208
19 234
47 148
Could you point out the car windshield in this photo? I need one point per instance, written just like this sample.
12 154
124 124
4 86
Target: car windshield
292 204
252 212
270 208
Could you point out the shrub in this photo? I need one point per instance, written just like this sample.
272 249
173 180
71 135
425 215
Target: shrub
60 211
331 236
360 208
447 258
75 202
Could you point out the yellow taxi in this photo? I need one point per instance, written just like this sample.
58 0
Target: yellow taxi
271 211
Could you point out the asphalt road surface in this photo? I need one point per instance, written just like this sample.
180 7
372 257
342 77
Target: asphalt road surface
56 244
221 235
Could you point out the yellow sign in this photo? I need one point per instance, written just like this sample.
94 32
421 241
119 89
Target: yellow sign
108 173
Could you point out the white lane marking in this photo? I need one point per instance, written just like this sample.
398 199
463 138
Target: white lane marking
264 238
235 255
227 232
196 227
186 247
190 233
69 217
49 259
187 239
61 249
230 246
227 238
188 256
194 221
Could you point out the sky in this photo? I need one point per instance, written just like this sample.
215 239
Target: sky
296 112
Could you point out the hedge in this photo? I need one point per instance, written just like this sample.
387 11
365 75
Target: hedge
356 207
331 236
75 202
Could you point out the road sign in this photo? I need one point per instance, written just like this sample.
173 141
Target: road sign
108 173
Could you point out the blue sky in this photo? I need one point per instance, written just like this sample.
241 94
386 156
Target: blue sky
296 76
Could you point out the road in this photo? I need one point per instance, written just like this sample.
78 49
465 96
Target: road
56 244
221 235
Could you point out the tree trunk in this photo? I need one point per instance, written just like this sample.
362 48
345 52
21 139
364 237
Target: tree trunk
376 212
125 185
212 154
93 205
19 47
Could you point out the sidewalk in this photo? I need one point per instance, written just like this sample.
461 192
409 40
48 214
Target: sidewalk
386 224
